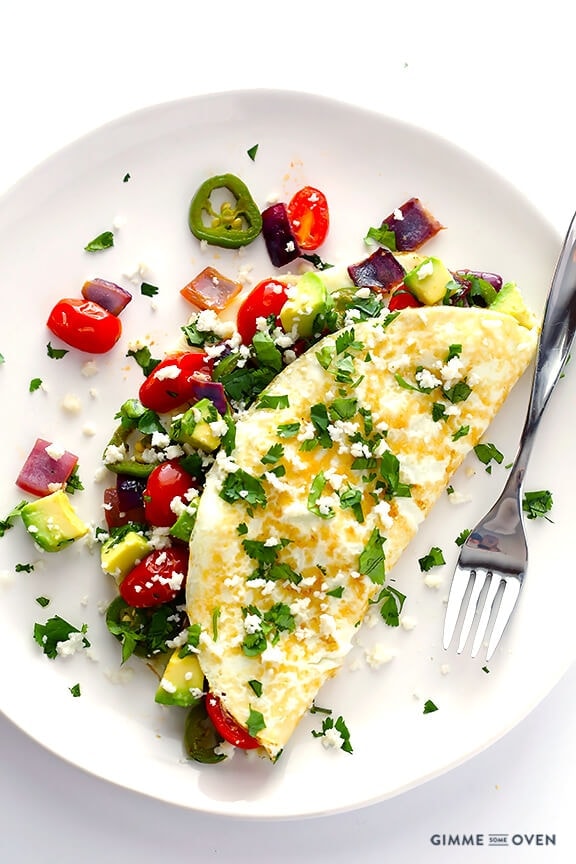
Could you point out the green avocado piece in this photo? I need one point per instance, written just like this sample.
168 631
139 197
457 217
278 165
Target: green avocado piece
428 281
119 557
181 676
182 528
193 427
52 521
307 299
510 301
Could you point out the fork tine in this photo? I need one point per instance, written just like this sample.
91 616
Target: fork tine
458 588
509 598
495 583
480 577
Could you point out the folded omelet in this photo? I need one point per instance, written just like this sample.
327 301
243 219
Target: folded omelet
333 469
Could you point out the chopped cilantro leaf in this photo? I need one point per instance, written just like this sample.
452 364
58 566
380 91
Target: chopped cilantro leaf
459 392
487 453
252 151
461 433
24 568
336 592
55 353
438 411
54 631
42 601
126 178
325 511
391 604
273 402
462 537
10 519
372 559
75 690
273 455
288 430
537 504
453 351
35 384
315 259
328 724
383 235
74 483
434 558
429 707
255 722
266 352
102 241
242 486
256 686
148 290
486 669
144 359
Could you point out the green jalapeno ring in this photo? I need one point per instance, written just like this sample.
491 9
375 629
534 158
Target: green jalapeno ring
236 224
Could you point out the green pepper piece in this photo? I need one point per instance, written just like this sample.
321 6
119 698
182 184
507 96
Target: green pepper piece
200 736
127 466
235 224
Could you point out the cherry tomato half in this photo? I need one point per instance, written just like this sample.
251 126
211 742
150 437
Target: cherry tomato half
266 298
84 325
309 217
157 579
402 299
173 381
227 726
166 482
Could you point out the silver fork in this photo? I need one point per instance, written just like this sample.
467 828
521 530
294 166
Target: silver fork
492 563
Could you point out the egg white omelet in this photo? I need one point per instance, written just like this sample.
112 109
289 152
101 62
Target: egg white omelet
334 468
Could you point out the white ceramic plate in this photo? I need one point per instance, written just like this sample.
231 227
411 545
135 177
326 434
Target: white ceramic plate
367 165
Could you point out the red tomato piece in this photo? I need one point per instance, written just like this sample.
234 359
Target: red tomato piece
157 579
173 381
227 726
166 482
402 300
266 298
309 217
84 325
115 515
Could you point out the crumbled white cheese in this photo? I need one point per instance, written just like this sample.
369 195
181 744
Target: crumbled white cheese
377 655
89 369
71 404
55 451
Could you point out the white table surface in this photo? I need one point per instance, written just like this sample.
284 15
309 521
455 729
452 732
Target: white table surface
496 78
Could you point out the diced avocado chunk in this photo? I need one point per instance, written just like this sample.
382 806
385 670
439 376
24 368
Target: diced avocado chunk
193 427
182 681
307 299
428 281
119 557
52 521
509 300
182 528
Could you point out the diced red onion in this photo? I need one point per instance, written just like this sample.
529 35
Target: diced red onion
492 278
280 240
130 491
213 390
110 296
380 270
43 473
412 225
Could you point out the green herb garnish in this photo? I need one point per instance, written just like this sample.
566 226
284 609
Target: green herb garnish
102 241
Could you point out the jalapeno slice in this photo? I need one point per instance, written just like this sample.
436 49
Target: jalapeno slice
234 223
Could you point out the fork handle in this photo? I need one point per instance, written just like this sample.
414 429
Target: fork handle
556 335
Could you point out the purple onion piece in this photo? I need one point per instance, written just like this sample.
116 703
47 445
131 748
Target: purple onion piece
380 270
212 390
412 225
492 278
280 241
130 491
110 296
